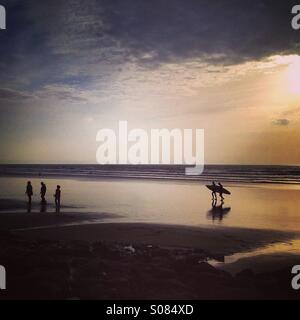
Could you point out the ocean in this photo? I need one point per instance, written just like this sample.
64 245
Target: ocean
224 173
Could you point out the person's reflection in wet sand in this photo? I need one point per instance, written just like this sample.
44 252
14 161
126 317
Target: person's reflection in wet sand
43 207
57 208
29 207
217 212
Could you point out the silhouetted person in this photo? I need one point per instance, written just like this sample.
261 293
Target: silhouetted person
43 192
221 193
29 192
57 196
214 195
214 202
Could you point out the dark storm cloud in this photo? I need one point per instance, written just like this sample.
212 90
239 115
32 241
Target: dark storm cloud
220 31
13 95
152 32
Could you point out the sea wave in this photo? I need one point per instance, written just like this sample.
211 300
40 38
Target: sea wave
228 173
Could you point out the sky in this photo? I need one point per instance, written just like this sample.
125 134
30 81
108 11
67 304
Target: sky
70 68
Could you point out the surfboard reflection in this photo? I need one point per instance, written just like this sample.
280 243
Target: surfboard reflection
217 212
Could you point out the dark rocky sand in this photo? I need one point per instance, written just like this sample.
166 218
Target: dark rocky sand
100 270
130 261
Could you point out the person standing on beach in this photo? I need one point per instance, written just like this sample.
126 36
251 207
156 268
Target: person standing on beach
57 196
43 192
221 191
29 192
214 195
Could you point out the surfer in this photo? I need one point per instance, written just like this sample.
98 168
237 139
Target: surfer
217 188
214 195
221 190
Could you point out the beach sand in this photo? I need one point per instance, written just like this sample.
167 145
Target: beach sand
215 241
70 256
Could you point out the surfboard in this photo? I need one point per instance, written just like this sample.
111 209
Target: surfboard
218 189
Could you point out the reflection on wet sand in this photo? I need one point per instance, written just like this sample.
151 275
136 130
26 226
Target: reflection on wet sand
273 256
263 206
43 208
217 212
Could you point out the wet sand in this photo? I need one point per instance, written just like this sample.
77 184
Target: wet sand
77 255
215 241
85 226
113 269
253 206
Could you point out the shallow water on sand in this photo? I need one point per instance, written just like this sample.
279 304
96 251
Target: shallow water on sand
271 257
263 206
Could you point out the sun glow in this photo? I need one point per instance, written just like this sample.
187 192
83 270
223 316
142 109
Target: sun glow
293 76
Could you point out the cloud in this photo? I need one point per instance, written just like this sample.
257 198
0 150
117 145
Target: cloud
84 52
155 32
281 122
152 32
80 41
64 63
8 94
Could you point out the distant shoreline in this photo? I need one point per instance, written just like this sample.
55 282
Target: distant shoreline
277 175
